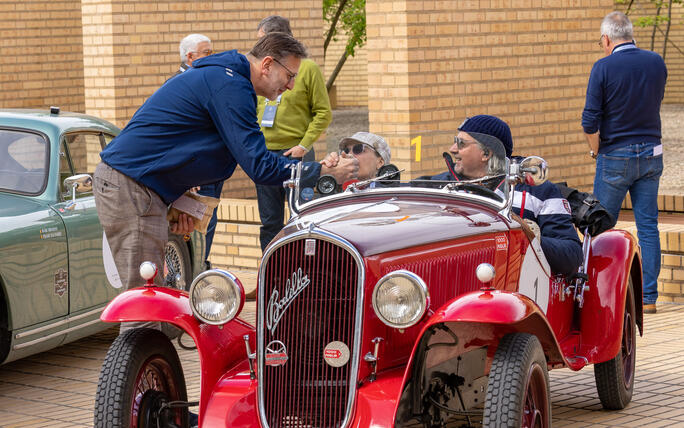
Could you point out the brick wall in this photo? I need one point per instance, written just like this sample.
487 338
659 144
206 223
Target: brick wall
351 85
674 55
42 54
433 63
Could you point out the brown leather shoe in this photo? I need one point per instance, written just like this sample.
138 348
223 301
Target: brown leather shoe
649 308
251 295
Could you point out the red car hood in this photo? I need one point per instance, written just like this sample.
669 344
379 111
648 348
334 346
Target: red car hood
381 223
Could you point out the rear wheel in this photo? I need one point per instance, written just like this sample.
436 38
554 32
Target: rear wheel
177 265
518 387
140 373
615 378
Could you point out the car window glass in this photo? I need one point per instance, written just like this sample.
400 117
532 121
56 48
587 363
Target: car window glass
23 161
84 152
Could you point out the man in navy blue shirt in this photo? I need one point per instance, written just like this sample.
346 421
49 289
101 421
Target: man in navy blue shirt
621 121
193 131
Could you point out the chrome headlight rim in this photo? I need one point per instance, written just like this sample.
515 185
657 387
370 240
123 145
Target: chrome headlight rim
232 280
422 288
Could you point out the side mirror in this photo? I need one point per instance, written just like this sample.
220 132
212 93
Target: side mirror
80 183
534 170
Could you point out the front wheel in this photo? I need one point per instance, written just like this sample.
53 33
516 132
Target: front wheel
140 373
615 378
518 387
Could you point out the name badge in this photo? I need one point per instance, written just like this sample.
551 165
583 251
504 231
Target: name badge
269 115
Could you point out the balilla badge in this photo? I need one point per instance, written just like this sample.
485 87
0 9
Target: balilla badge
276 306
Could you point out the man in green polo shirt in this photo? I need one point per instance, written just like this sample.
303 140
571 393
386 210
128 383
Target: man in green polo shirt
291 124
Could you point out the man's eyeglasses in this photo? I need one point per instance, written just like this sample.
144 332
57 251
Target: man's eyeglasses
600 42
357 149
461 143
205 52
290 75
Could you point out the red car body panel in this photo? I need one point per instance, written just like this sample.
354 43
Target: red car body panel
233 401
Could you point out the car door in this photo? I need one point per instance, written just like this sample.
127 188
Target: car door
90 286
33 256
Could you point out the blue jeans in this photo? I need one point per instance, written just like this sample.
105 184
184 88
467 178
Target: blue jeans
271 200
634 168
213 190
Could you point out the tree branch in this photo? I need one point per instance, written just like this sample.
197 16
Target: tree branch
333 24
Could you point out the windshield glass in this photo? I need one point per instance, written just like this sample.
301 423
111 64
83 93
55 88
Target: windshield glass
23 161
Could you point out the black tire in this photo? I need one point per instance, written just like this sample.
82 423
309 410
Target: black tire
123 393
615 378
177 262
518 387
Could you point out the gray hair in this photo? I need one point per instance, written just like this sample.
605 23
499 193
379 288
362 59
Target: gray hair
189 44
616 26
275 23
496 164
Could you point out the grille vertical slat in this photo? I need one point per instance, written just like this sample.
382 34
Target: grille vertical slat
306 391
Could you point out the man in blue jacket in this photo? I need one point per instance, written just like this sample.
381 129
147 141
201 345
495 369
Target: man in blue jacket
192 131
479 150
621 121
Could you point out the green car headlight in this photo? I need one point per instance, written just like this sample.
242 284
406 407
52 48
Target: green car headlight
400 299
216 297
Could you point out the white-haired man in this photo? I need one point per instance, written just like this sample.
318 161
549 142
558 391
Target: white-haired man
192 47
621 121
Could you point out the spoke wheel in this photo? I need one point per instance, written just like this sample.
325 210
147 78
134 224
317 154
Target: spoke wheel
518 387
140 372
615 378
177 267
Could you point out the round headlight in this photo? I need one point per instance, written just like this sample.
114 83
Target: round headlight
216 296
400 299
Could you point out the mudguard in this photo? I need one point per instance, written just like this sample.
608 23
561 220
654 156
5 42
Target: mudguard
614 254
482 318
220 348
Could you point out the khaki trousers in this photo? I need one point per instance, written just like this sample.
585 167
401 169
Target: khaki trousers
134 219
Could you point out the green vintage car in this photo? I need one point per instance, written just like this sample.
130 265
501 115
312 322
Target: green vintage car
56 270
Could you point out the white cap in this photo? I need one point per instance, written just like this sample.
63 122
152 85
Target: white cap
375 141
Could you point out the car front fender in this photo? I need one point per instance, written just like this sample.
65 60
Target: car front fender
220 348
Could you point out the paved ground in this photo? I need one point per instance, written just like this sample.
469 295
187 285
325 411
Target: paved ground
57 388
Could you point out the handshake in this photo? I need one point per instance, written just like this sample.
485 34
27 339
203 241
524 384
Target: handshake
343 167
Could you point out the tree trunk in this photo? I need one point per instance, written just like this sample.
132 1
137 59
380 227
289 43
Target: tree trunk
333 24
667 30
655 25
336 71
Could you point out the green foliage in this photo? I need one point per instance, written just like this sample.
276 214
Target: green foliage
350 20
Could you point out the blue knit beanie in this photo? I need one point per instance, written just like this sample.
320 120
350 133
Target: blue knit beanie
490 125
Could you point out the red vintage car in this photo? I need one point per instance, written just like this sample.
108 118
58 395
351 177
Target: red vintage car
385 306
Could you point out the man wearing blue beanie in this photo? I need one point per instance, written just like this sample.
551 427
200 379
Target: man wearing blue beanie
479 150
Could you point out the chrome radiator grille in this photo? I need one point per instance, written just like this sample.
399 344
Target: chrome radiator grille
309 293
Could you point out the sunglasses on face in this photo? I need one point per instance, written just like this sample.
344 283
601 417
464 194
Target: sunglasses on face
356 149
462 144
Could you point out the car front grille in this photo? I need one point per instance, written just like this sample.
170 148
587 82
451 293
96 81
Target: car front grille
309 291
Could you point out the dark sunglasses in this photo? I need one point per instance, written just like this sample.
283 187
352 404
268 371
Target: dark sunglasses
357 149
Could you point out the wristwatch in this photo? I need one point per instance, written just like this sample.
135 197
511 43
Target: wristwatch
593 155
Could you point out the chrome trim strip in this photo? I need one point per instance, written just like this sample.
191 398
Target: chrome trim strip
335 239
58 323
53 335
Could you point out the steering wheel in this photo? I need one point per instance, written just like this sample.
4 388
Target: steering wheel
477 189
